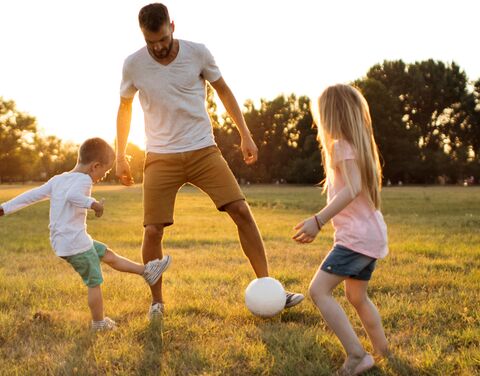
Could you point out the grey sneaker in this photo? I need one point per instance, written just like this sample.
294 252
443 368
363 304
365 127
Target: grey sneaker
293 299
106 324
155 268
156 311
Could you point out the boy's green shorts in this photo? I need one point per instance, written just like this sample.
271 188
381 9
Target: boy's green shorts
87 264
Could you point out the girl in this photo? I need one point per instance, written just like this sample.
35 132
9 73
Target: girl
353 183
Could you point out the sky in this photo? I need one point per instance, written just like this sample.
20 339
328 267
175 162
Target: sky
61 61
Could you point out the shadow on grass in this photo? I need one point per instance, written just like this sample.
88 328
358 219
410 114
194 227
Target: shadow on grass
299 345
402 367
81 351
152 340
301 317
295 350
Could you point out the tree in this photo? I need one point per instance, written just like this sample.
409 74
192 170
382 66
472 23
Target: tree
432 97
17 134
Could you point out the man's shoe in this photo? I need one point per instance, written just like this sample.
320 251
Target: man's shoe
106 324
293 299
156 311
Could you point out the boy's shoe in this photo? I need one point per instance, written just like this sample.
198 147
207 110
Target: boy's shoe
293 299
156 311
106 324
155 268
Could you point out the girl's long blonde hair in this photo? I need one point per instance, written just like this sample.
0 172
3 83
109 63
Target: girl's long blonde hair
343 114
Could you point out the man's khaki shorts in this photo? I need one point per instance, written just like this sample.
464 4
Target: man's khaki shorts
164 174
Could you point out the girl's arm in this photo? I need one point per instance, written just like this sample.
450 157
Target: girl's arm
27 198
309 228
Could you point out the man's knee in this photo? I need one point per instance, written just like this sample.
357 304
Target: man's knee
239 211
153 232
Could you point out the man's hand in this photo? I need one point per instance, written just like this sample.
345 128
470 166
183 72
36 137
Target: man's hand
122 171
1 211
98 207
249 150
307 231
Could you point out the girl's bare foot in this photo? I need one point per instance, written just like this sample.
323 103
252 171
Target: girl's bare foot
354 366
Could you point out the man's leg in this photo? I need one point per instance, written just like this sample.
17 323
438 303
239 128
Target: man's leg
250 239
151 250
209 171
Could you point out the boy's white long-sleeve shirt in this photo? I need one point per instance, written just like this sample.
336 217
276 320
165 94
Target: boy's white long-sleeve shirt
69 195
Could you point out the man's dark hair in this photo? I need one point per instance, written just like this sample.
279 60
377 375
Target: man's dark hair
153 16
96 150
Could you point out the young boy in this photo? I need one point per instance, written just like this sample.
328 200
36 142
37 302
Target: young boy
70 198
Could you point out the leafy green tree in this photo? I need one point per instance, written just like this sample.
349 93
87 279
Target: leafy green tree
17 134
432 97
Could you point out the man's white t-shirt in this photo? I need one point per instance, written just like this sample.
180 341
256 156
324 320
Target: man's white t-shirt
69 195
173 97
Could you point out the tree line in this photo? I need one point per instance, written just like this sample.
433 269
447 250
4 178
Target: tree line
426 119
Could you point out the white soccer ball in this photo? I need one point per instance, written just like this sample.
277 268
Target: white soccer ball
265 297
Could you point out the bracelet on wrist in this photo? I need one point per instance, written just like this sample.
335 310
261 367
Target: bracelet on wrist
319 222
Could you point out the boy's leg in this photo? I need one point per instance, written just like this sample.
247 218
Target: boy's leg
321 288
356 292
122 264
95 302
151 272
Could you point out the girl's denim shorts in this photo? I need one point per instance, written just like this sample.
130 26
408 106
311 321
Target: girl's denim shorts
345 262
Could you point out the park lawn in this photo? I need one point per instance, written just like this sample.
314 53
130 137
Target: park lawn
427 290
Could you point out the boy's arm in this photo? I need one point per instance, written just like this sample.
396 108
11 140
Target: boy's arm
309 228
79 194
249 149
27 198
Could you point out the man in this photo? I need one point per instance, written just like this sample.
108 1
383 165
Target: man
170 75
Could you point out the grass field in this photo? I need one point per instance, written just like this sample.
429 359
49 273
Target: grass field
427 290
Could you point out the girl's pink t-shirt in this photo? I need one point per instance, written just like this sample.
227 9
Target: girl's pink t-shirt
359 227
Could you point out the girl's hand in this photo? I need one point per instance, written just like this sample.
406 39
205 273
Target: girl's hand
307 231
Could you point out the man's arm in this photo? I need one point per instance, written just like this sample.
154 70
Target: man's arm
124 119
249 149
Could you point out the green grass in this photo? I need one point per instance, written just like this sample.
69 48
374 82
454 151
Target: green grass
427 290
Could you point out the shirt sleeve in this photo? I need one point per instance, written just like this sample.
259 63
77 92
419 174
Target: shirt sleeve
127 86
27 198
342 151
79 193
210 70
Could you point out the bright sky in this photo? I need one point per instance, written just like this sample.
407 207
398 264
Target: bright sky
61 61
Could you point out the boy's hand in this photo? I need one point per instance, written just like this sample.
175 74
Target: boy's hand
98 207
307 231
1 211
